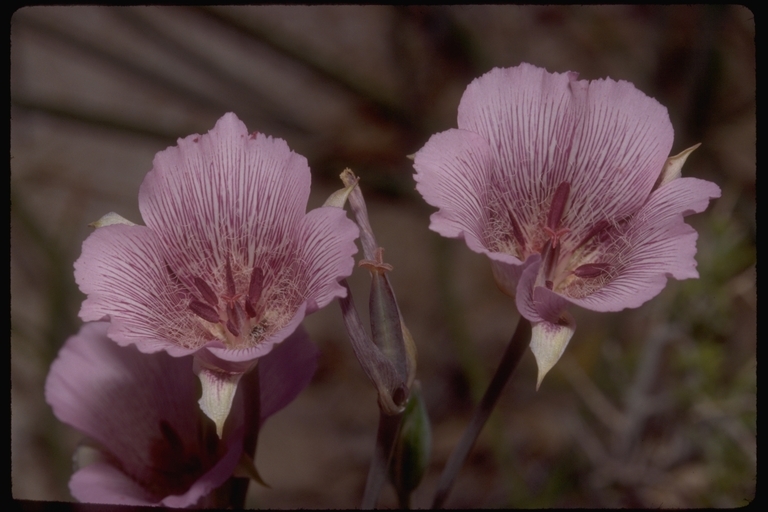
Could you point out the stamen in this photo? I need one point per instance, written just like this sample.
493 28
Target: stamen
236 317
599 227
255 286
204 311
232 328
207 293
590 270
516 231
549 256
250 309
557 207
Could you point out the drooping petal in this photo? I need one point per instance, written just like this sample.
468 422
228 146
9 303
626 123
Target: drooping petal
655 245
286 371
123 272
142 410
605 138
326 239
104 483
226 192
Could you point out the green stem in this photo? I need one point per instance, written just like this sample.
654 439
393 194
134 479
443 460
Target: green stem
512 355
389 427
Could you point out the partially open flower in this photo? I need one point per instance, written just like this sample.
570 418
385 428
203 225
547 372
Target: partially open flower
155 445
229 261
566 186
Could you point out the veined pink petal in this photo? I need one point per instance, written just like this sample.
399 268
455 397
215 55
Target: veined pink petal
123 272
605 138
655 245
222 194
453 171
326 241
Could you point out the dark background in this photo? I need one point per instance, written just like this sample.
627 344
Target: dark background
653 407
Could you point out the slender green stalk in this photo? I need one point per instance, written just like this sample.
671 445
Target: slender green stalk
389 427
509 361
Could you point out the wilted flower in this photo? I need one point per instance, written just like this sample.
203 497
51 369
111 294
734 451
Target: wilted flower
155 446
566 186
229 262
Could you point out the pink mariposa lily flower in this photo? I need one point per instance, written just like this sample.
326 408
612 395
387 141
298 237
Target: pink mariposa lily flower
229 261
155 447
566 186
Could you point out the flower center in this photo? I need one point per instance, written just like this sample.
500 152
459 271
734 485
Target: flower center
238 314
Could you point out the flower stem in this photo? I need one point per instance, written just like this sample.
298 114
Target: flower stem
512 355
389 427
250 386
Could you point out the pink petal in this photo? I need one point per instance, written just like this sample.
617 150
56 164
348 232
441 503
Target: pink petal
104 483
327 244
657 244
453 174
225 192
123 272
286 371
605 138
124 400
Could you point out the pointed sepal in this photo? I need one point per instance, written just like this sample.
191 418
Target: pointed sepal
246 468
674 165
110 219
339 198
219 389
548 342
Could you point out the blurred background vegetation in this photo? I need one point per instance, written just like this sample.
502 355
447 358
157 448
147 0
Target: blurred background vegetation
653 407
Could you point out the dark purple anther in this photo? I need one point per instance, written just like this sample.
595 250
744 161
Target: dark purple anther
231 291
557 207
236 318
206 292
250 309
232 328
204 311
255 286
596 229
516 231
590 270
